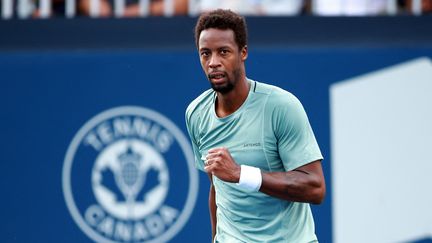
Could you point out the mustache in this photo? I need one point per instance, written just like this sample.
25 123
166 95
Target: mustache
215 73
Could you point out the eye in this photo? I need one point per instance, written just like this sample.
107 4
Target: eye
224 51
204 53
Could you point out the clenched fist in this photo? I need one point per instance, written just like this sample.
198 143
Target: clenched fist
220 163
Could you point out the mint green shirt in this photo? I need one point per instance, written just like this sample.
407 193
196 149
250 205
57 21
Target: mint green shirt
270 131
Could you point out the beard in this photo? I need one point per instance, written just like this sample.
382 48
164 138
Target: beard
229 85
223 88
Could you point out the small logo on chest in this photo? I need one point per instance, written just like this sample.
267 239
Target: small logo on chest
250 145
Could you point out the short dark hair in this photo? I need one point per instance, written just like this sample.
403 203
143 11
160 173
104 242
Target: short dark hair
223 20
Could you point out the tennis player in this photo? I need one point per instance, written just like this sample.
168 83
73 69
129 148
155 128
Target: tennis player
255 142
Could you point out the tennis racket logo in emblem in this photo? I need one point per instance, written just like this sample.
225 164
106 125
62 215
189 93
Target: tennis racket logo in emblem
117 181
130 179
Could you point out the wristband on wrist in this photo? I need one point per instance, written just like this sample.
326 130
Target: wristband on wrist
250 178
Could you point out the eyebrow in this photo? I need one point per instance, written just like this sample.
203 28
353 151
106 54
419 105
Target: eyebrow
219 48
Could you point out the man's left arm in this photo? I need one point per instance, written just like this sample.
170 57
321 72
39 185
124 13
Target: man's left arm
303 179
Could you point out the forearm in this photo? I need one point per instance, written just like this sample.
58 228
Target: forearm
296 185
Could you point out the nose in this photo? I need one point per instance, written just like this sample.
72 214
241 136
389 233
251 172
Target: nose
214 61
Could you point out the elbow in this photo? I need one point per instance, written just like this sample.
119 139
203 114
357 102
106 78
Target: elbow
318 199
312 192
318 195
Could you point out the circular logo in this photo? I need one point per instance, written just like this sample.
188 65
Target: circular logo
128 176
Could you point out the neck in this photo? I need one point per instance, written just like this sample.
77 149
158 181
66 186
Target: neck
228 103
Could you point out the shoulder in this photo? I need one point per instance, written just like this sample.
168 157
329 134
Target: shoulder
199 104
276 96
282 108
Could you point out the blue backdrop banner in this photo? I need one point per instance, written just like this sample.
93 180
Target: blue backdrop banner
85 134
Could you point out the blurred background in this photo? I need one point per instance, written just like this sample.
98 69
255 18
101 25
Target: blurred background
76 70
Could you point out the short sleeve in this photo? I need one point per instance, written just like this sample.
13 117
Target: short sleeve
296 141
192 131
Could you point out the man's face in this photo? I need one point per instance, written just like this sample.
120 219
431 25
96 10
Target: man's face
221 59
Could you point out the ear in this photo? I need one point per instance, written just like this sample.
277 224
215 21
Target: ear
244 53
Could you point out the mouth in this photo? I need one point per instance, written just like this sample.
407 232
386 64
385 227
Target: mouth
217 77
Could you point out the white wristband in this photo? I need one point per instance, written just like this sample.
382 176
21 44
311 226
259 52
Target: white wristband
250 178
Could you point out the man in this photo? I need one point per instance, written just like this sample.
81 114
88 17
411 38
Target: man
254 141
